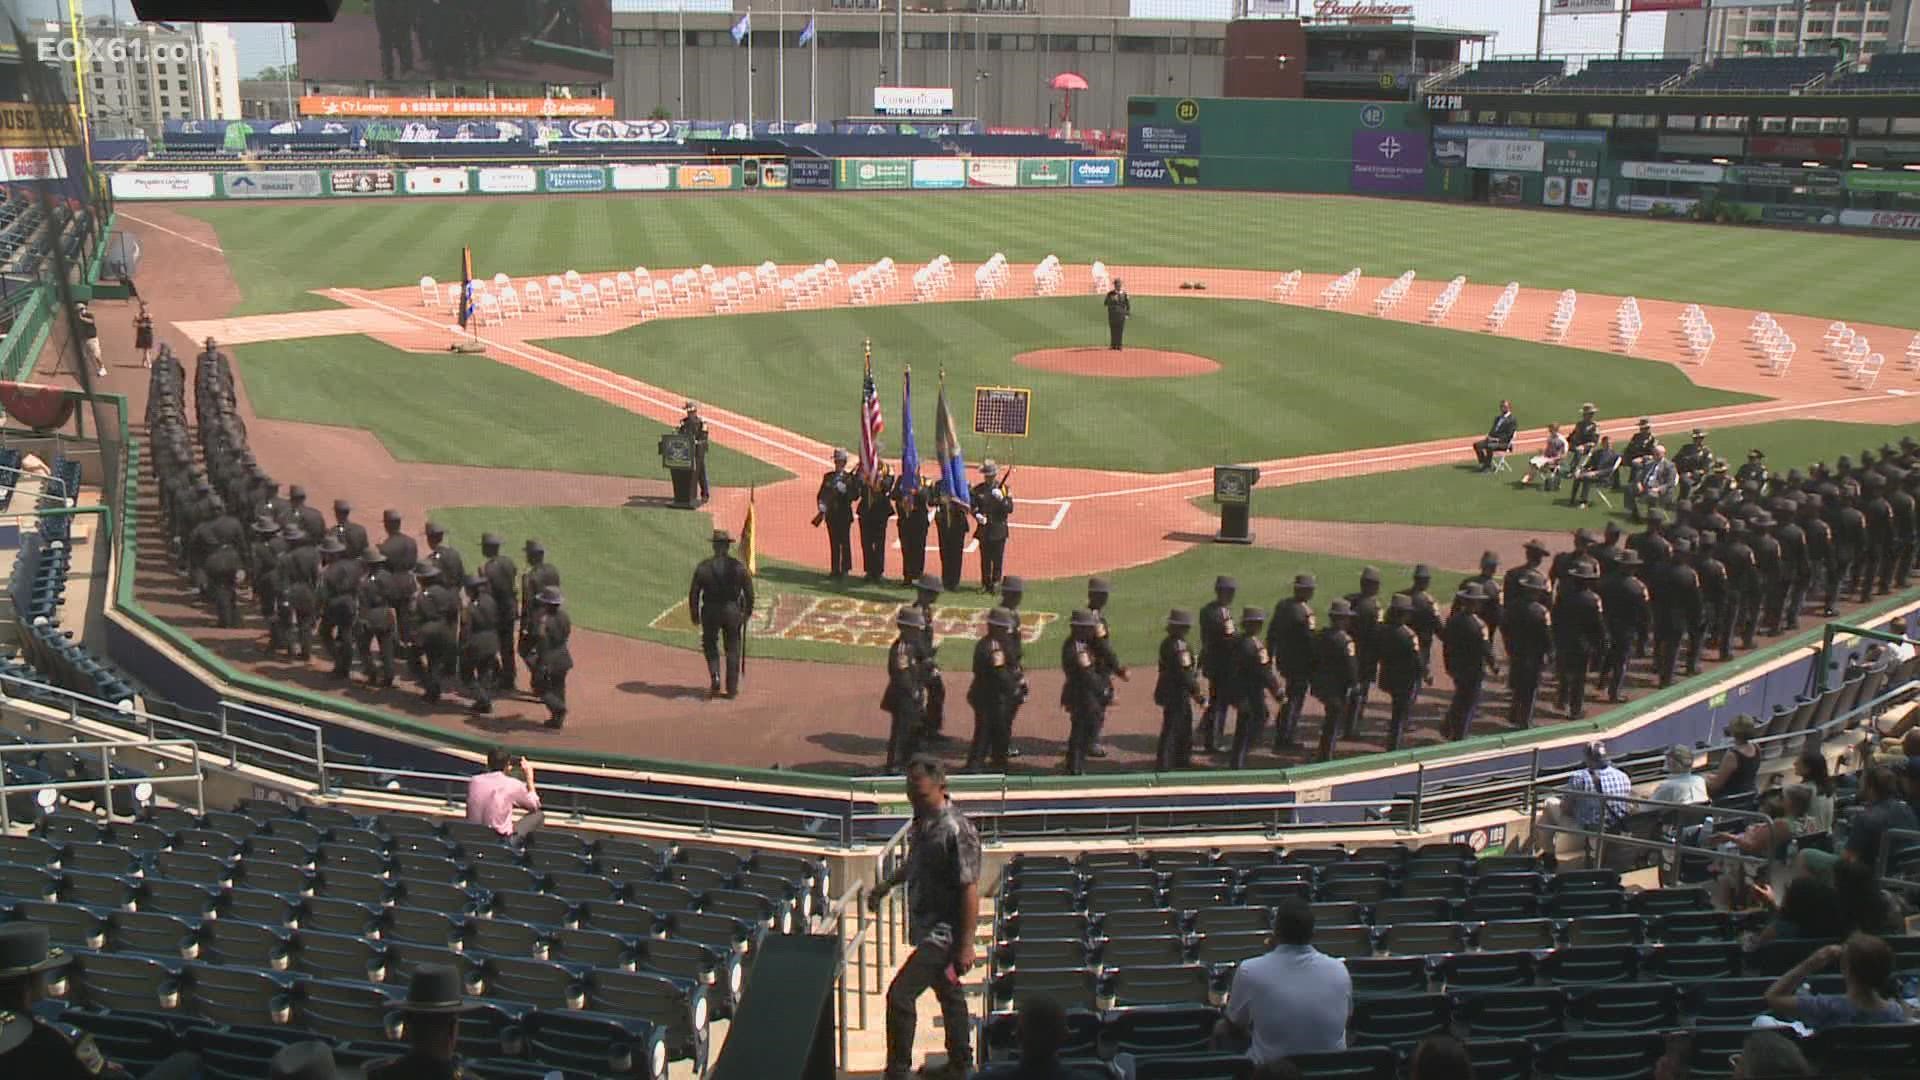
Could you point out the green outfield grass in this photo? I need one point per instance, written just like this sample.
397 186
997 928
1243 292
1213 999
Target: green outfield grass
623 570
278 253
1457 494
462 410
1293 380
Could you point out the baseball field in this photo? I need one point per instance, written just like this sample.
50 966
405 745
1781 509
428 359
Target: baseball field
1358 418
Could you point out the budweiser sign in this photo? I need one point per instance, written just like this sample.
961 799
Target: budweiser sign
1335 9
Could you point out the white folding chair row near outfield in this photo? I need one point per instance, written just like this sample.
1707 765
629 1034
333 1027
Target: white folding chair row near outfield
1442 306
1562 318
1286 287
568 302
429 292
1502 308
1868 372
1340 289
1913 354
1857 356
1839 340
1774 343
1627 323
1389 298
1048 277
1102 280
1698 332
990 276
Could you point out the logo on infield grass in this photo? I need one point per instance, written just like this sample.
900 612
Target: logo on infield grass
846 620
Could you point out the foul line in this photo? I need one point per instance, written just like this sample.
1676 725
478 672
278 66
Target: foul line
172 232
583 375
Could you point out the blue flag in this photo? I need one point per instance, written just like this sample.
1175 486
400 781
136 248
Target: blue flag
742 28
909 448
806 35
946 444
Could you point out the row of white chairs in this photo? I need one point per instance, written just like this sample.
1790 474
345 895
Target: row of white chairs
1913 354
990 276
1502 308
867 283
1388 298
1288 285
1628 323
808 287
1442 305
931 279
1698 330
1048 276
1562 317
1773 341
1340 289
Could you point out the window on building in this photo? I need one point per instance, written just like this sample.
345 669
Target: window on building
166 102
1212 46
1760 26
999 42
1063 43
1815 29
99 84
1027 42
1847 26
1879 5
1877 26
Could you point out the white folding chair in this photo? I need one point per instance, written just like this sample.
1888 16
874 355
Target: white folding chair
589 298
429 292
501 281
510 303
1913 354
623 283
489 310
573 279
569 304
1869 371
536 297
609 291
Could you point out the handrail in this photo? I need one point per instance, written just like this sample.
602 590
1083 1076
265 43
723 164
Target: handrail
1885 855
107 783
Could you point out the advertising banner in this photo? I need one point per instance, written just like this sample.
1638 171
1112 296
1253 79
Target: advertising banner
1704 145
271 185
913 101
29 126
603 131
513 180
1570 172
1588 136
1581 7
1902 182
437 181
1796 146
1161 139
564 178
1902 220
875 174
161 185
1640 204
331 105
947 172
23 165
1096 172
1673 172
706 177
1775 214
1580 192
993 172
642 177
1509 155
361 182
1043 172
1506 188
1390 162
773 176
1163 172
810 174
1667 5
1553 191
1784 177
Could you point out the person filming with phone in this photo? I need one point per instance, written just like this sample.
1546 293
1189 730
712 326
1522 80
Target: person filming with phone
942 875
493 795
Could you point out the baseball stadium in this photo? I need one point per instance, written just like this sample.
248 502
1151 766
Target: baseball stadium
1168 526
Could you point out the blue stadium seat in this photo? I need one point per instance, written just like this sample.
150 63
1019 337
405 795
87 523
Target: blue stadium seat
1398 1020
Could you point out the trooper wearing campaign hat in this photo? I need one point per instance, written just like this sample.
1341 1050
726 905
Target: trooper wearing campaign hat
1217 633
299 572
480 644
1176 690
1580 634
402 556
1290 636
833 505
1511 594
502 576
926 593
263 562
909 661
351 533
539 575
992 510
1013 592
1403 668
1586 430
1336 673
435 1000
1253 681
31 1047
1423 616
999 685
552 653
440 553
340 579
1468 645
695 428
1528 637
720 601
1087 691
1099 591
1629 608
373 627
1365 605
1638 452
436 629
309 519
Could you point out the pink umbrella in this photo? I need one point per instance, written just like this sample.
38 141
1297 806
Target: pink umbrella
1067 82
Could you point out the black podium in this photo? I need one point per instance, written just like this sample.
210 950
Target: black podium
1233 490
677 454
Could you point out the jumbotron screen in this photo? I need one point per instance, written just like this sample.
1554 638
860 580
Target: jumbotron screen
558 41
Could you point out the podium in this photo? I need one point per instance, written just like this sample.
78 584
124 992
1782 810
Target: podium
1233 490
677 454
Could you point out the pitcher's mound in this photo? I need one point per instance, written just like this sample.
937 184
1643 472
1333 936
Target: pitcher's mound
1128 363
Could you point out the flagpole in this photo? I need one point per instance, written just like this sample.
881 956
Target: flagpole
749 71
680 106
813 70
780 67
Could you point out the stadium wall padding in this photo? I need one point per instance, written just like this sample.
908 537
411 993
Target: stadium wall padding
1246 144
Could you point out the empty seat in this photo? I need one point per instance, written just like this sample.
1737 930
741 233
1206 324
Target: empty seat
1158 950
1140 922
1213 920
674 1004
422 926
1606 930
1073 988
339 956
1344 941
338 916
67 925
1500 1059
1601 1056
1156 1030
504 937
241 944
1626 1007
190 866
1044 953
132 1040
1591 964
1487 970
1516 934
1419 909
124 982
100 859
629 919
152 933
99 890
539 909
348 1010
184 898
1169 984
1378 975
231 995
595 1044
1513 1014
438 895
540 983
351 886
1399 1020
1415 939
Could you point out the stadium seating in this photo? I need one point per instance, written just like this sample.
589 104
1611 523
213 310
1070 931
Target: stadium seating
1506 75
1887 73
1612 76
1758 74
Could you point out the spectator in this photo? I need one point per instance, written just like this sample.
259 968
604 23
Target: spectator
90 338
1681 784
435 1000
1787 817
1042 1026
1293 1000
1740 766
1862 905
1599 777
1882 809
1499 437
1809 912
1546 463
1598 468
1769 1055
1865 962
1902 650
1811 768
1896 752
492 796
1440 1057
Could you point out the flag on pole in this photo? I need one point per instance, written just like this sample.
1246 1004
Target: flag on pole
749 538
466 286
909 448
806 35
872 423
742 28
946 445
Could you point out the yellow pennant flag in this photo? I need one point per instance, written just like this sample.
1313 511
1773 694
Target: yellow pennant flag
748 546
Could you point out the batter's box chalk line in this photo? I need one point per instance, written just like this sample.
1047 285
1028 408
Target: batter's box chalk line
847 620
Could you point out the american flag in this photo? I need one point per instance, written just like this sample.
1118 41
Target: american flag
872 423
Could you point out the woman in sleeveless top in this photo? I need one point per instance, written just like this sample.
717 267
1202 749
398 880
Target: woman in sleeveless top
1740 766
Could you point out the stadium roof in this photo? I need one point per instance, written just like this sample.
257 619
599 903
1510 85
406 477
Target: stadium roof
1395 29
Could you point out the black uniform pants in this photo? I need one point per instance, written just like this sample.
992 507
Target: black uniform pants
226 598
553 693
1523 685
926 969
439 654
1465 703
991 727
1085 721
1116 329
1252 716
368 639
1726 617
1175 748
936 708
482 669
993 562
953 559
1572 675
1879 575
1903 550
1839 569
1613 665
712 633
913 550
1749 617
839 547
903 734
1298 688
1401 708
873 547
1213 721
1336 706
301 610
1773 608
336 633
509 671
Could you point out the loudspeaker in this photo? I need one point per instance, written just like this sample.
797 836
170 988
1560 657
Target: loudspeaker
268 11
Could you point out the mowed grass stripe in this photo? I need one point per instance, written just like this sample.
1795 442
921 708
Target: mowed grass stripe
1293 380
437 408
1857 278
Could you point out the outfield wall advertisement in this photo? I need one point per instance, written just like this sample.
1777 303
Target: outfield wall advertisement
1248 144
438 180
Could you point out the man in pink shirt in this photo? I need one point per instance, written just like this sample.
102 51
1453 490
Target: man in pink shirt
492 795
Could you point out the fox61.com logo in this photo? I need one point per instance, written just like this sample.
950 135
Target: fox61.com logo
67 50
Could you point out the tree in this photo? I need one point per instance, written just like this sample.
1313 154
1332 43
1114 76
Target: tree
281 73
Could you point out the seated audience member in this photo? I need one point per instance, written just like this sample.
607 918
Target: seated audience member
1769 1055
493 795
1499 437
1681 784
1598 468
1904 649
1866 963
1656 484
1895 753
1882 809
1294 999
1042 1027
1599 790
1546 463
1788 816
1810 911
1440 1057
1739 768
1811 768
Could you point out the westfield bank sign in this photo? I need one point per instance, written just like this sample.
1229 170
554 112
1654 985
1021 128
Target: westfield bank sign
1336 9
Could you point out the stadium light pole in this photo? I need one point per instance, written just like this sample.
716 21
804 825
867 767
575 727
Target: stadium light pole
286 75
899 42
